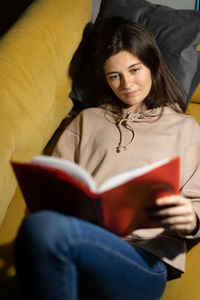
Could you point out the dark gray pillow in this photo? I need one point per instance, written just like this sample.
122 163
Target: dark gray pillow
177 33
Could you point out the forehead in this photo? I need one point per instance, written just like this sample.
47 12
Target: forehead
121 60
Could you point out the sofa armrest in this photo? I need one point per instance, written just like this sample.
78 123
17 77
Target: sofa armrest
35 55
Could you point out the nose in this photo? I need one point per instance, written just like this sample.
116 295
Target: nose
126 81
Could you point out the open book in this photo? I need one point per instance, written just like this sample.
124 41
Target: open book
118 205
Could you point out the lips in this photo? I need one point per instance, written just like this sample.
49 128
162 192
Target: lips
132 93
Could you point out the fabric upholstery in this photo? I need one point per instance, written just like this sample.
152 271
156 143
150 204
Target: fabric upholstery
35 55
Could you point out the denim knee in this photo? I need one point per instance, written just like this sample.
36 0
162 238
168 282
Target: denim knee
41 231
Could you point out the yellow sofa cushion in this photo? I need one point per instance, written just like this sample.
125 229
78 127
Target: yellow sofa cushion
186 287
34 83
194 106
196 95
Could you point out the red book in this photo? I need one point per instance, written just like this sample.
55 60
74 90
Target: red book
118 205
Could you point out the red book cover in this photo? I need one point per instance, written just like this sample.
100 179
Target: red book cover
118 205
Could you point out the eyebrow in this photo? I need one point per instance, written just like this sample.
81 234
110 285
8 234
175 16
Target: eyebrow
133 65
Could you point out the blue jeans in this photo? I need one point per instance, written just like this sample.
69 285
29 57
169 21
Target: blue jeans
62 257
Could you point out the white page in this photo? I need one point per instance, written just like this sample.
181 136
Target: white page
74 169
123 177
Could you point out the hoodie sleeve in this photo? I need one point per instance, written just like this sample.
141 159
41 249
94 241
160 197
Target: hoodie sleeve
68 143
190 180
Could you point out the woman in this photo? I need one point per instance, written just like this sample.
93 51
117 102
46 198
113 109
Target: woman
138 119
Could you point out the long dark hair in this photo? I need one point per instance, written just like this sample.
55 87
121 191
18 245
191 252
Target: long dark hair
112 35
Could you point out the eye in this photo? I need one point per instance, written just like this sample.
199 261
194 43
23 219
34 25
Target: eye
134 70
114 77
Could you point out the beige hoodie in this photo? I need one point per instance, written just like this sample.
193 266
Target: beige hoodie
106 144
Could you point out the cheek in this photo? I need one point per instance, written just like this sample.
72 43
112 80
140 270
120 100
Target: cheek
113 85
149 83
146 81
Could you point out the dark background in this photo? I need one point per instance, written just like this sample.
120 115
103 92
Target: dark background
10 10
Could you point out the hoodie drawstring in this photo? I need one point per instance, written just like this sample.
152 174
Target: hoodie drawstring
125 122
126 119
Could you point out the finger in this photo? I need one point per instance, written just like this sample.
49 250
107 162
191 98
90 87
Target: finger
171 200
180 224
180 228
171 211
175 220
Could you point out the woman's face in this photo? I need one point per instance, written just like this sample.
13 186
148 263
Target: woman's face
129 79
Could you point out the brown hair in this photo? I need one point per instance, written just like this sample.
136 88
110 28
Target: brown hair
112 35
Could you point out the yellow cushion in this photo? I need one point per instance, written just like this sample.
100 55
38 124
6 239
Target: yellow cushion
34 60
187 287
196 95
194 110
8 231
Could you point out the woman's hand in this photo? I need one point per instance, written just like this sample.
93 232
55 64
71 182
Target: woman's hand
174 213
